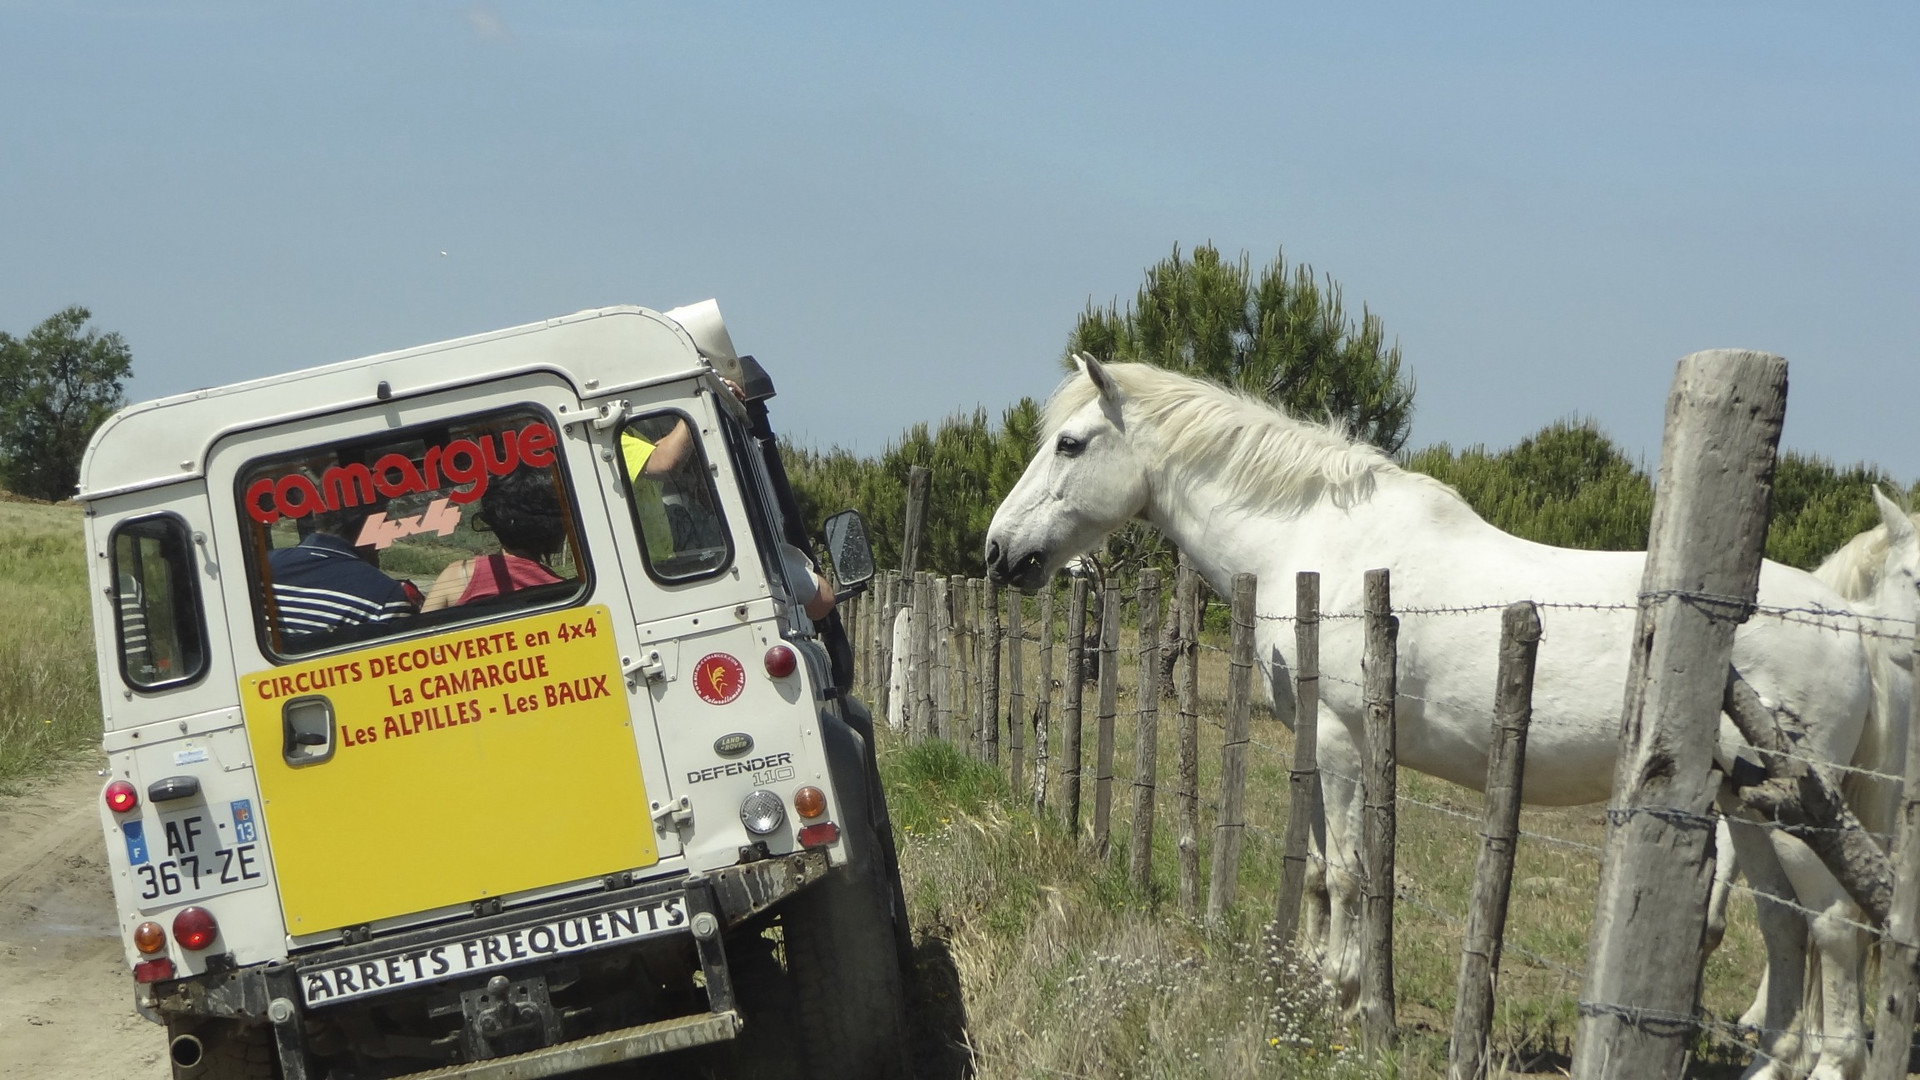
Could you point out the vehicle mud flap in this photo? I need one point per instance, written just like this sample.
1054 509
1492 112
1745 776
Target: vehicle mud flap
860 722
842 953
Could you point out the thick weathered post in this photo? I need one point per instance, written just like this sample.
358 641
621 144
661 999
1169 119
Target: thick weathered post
1016 689
1109 706
1228 829
1379 775
1702 571
915 532
1146 733
1043 702
1900 943
1186 603
1493 874
1303 782
1072 686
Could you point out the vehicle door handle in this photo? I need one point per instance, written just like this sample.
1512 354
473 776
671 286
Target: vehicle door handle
307 730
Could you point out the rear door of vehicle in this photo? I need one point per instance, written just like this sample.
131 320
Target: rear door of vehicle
419 761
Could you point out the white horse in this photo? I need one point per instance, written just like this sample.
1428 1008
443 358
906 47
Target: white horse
1241 487
1876 573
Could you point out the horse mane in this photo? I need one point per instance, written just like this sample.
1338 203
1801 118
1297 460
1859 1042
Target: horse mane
1266 457
1854 569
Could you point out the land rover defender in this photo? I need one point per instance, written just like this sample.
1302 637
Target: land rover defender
464 717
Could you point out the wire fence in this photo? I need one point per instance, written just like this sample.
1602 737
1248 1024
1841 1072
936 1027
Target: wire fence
953 640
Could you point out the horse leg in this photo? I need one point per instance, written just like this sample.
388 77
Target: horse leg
1776 1013
1314 900
1340 793
1839 947
1723 869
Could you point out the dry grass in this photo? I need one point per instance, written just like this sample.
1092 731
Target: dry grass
49 692
1065 970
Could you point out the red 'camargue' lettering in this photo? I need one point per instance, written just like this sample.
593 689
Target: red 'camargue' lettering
465 463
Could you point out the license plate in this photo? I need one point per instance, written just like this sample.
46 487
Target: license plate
325 985
192 854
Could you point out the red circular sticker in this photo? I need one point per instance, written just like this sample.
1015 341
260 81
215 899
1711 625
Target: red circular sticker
718 678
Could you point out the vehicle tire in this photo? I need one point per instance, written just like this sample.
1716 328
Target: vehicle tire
228 1051
846 972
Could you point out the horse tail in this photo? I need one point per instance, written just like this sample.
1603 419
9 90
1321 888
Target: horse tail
1882 748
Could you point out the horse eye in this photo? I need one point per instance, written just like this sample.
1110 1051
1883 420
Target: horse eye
1069 445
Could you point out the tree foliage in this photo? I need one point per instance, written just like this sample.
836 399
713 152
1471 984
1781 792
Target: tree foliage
1570 486
971 464
1282 335
57 385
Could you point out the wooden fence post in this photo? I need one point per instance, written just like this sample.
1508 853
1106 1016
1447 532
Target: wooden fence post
1227 831
915 532
1709 524
883 653
1900 942
1072 686
1043 701
1493 874
1186 596
1017 717
1303 782
923 624
990 688
1109 705
1146 733
1378 776
947 686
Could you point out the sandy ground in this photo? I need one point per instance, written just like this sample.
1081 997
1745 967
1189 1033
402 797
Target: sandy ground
66 997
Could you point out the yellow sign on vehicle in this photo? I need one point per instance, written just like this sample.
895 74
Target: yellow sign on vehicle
458 767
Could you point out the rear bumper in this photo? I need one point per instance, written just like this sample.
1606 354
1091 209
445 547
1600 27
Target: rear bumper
627 1044
448 959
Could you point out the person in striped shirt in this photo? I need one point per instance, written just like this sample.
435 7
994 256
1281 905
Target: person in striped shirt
324 584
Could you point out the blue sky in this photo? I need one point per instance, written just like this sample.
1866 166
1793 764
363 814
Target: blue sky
902 209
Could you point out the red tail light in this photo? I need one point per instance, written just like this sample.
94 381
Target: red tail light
121 796
194 928
780 661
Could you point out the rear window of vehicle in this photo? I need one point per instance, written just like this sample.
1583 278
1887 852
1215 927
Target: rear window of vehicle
160 629
412 529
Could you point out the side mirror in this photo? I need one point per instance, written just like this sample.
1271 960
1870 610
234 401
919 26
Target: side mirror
848 547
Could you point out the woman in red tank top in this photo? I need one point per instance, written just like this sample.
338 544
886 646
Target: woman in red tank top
523 510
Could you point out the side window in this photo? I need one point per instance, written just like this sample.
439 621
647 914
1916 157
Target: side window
156 603
683 535
413 529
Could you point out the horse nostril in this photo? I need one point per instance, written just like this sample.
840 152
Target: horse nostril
993 552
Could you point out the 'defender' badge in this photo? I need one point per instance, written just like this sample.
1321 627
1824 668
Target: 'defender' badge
718 678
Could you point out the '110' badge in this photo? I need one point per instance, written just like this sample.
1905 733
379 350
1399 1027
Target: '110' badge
718 678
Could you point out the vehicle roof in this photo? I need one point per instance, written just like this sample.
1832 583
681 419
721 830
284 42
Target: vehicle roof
600 351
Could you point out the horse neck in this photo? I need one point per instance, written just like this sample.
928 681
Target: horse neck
1222 536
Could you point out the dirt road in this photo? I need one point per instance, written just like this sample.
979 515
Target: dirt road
66 1000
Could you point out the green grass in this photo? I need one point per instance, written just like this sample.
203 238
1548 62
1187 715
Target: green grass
49 692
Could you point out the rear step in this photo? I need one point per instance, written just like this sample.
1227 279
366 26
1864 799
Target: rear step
608 1048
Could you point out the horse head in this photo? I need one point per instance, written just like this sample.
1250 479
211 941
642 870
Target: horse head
1894 594
1087 479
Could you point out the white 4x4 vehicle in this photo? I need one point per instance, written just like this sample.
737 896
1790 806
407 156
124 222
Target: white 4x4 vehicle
464 718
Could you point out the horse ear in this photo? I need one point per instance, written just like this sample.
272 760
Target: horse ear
1102 381
1900 530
